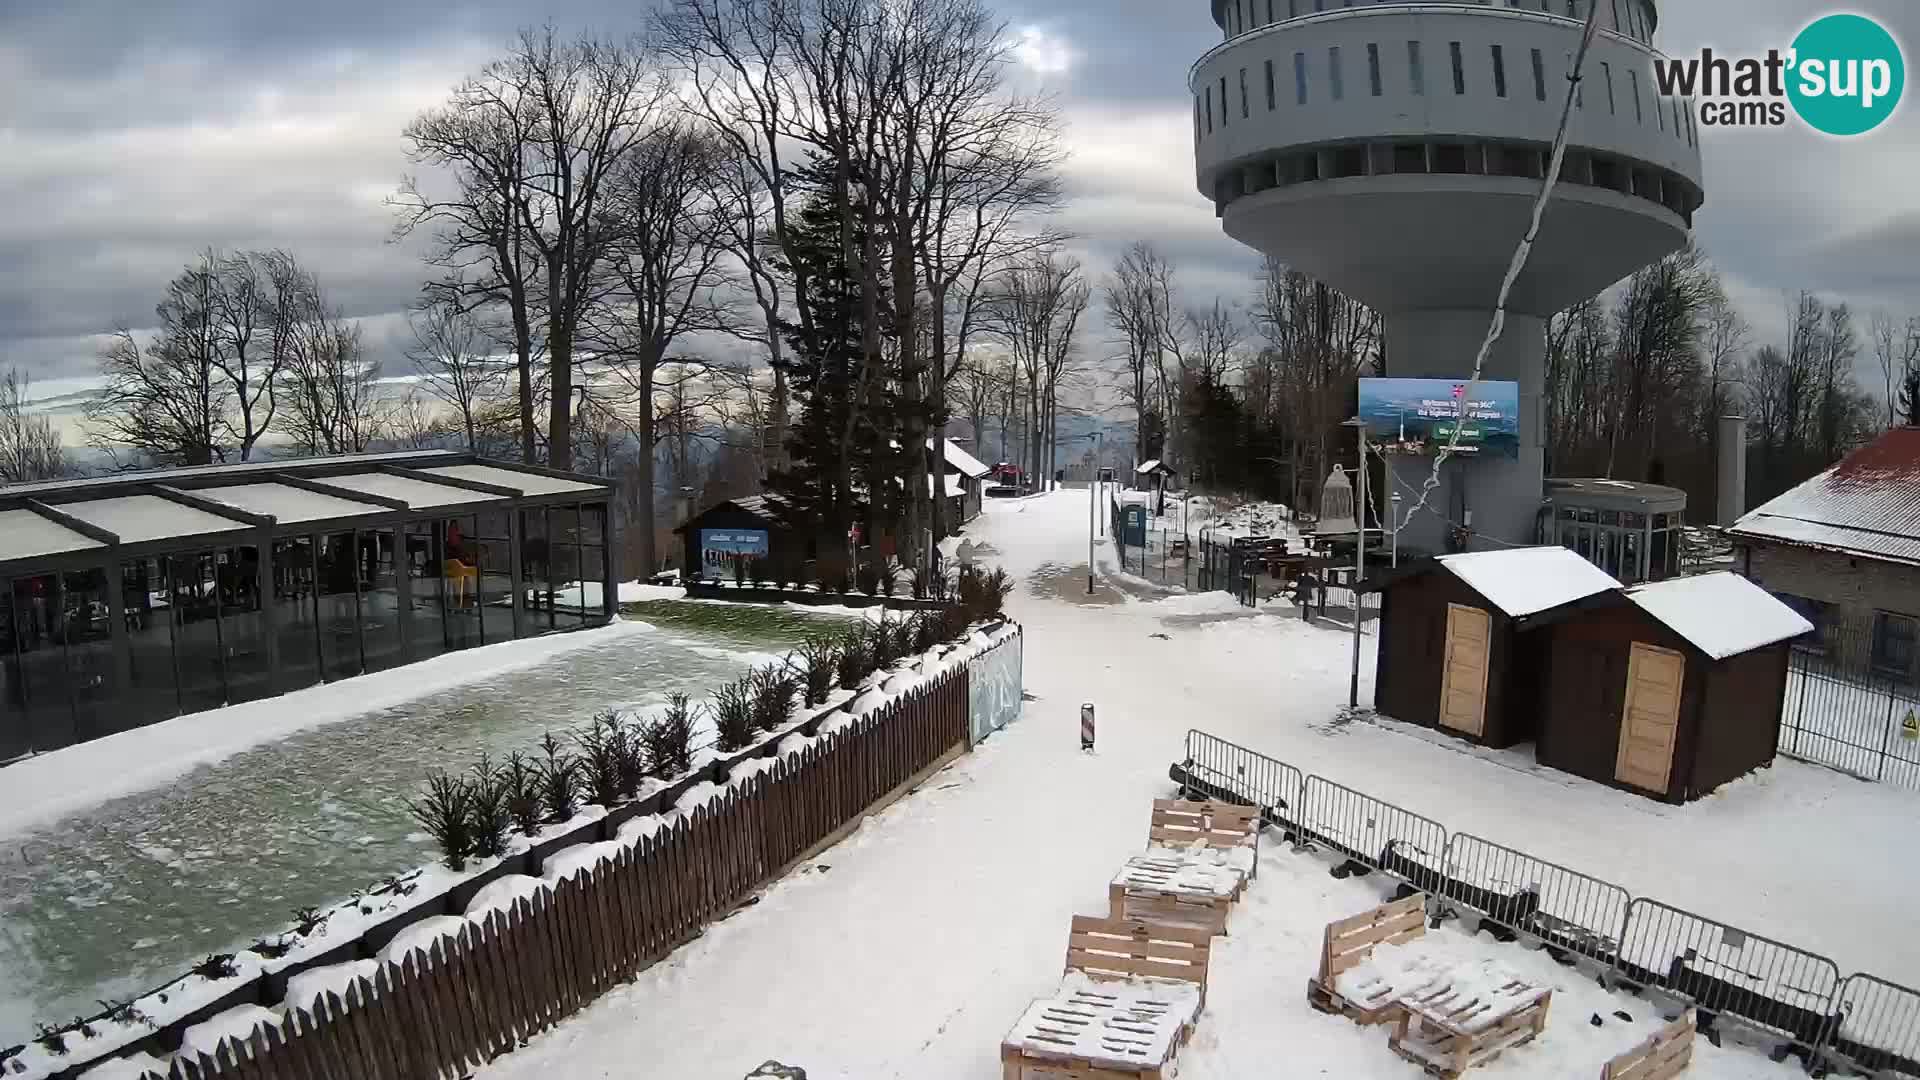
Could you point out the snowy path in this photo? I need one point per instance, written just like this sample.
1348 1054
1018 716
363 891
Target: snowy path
908 950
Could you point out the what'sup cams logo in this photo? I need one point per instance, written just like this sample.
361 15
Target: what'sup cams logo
1843 75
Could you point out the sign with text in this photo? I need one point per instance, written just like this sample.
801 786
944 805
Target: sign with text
1418 416
721 548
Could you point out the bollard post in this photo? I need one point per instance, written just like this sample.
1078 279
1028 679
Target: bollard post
1086 726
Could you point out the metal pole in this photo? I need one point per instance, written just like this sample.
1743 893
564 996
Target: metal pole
1092 484
1359 566
1394 505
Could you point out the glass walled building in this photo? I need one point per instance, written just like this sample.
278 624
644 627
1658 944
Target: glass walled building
1632 531
139 596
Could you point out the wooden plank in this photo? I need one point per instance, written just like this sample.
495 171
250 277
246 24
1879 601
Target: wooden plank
1163 950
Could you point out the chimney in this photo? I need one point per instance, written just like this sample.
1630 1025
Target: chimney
1733 469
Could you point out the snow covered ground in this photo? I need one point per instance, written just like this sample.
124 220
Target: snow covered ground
909 949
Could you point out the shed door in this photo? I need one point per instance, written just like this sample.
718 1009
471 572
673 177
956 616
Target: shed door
1463 684
1650 718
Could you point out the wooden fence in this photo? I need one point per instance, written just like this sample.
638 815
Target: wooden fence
469 998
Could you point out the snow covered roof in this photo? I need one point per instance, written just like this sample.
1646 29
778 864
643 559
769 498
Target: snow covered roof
960 459
1722 614
415 493
285 503
1868 504
526 483
1526 581
953 486
1151 465
139 518
24 533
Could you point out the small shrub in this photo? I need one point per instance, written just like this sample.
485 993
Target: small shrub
905 632
732 709
739 570
868 578
818 658
521 779
758 570
954 621
599 759
51 1039
851 661
772 697
308 920
996 586
446 813
126 1012
488 816
969 591
216 966
271 949
668 739
926 631
880 643
559 779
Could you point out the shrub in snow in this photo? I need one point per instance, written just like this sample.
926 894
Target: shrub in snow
732 709
926 631
215 967
817 658
854 659
668 740
488 816
601 751
559 779
521 780
772 697
904 633
306 920
740 571
446 813
997 585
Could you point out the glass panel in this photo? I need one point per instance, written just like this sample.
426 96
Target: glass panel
535 565
426 623
294 614
242 631
195 595
593 531
1630 570
460 581
89 631
379 600
339 607
563 530
43 665
15 736
151 694
494 549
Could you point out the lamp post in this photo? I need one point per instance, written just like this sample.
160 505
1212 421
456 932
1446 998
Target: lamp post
1093 488
1395 509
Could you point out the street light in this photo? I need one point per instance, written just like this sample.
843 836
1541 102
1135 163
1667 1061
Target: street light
1093 487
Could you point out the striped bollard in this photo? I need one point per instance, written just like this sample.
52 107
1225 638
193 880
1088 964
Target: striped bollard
1086 726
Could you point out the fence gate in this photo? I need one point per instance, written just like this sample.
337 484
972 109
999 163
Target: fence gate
1762 983
1842 710
1565 909
1410 846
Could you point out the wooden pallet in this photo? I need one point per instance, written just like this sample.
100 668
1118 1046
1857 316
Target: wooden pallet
1432 1030
1170 889
1663 1055
1349 942
1179 823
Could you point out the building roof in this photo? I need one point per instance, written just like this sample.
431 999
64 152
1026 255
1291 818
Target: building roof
1595 491
1527 581
1153 465
139 518
418 494
1721 614
24 534
1867 505
288 504
526 483
961 460
411 458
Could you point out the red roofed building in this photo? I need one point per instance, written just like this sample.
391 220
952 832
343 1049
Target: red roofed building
1844 550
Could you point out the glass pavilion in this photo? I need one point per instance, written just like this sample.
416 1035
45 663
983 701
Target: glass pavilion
135 597
1630 530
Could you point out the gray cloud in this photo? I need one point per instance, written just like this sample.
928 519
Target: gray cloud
136 134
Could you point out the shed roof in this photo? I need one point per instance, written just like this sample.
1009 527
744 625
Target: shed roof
963 461
417 494
139 518
1526 581
527 483
285 503
1721 614
1868 504
24 534
1153 465
174 474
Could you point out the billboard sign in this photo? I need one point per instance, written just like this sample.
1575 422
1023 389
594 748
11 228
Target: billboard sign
1418 416
721 548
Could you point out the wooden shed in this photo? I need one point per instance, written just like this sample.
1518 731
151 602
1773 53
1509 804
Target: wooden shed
1669 689
738 530
1457 647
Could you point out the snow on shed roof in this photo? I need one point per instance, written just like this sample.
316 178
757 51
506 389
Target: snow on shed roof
1152 465
1722 614
962 460
1868 504
24 534
1526 581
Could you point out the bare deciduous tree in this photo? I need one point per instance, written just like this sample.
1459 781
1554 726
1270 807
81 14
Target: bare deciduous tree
454 355
1035 308
30 448
167 399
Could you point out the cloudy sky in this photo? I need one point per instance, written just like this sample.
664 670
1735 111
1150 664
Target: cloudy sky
134 133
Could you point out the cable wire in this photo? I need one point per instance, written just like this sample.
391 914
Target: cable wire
1519 260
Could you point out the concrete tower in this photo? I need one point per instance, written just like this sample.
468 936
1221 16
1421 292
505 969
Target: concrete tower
1393 150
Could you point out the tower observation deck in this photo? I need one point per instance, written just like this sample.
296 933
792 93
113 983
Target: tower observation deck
1394 150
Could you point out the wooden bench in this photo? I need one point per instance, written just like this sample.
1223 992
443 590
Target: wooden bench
1175 888
1222 826
1128 1000
1447 1029
1348 944
1663 1055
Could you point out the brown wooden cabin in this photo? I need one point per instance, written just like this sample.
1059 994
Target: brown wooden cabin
1457 651
1669 689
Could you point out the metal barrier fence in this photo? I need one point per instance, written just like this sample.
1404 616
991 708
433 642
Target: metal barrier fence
1566 909
1844 710
1730 972
1865 1023
1879 1028
1399 842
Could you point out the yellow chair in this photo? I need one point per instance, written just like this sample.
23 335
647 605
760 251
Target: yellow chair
460 573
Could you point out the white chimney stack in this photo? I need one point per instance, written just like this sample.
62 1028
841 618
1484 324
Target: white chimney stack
1733 469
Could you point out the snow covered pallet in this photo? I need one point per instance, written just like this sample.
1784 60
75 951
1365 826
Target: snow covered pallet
1448 1029
1179 824
1128 1001
1176 888
1349 942
1662 1056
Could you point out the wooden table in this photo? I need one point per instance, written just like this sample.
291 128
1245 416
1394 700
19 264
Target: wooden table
1446 1028
1178 888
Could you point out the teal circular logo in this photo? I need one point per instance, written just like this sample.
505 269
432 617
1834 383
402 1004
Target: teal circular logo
1847 75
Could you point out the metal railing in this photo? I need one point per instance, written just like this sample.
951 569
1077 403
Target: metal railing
1792 995
1847 703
